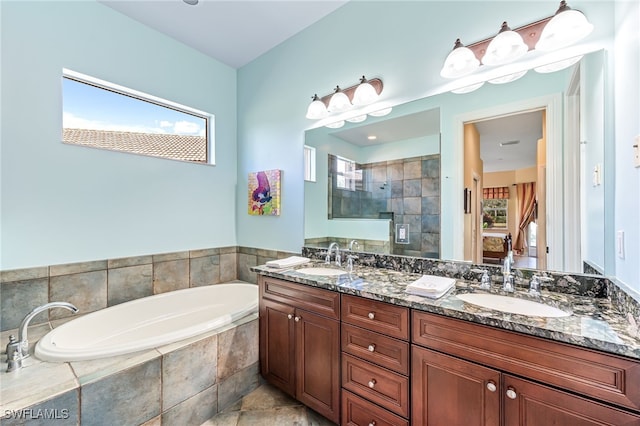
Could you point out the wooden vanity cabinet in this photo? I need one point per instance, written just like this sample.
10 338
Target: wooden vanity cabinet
300 343
471 374
375 363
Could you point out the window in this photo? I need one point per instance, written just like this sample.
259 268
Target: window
495 213
309 163
103 115
347 177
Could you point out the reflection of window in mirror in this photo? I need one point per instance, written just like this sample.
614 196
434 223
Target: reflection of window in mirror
309 163
494 214
347 177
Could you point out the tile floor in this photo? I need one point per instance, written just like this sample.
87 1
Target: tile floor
267 406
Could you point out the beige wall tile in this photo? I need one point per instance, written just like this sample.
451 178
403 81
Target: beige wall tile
19 298
204 271
129 261
171 275
237 386
237 349
132 282
163 257
228 267
195 410
87 291
24 274
75 268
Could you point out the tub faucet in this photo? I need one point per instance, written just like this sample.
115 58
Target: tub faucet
17 350
327 259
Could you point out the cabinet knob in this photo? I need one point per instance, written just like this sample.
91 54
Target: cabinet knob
371 347
372 383
297 319
371 315
290 316
372 423
511 393
491 386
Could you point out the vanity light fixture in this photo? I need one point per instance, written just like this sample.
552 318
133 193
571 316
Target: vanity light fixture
508 78
506 47
380 112
191 2
357 118
564 28
363 93
460 62
335 125
558 65
339 101
468 89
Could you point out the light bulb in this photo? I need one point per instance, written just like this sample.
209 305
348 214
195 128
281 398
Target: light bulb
506 47
317 109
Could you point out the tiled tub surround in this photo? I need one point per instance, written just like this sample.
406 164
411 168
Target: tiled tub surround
95 285
595 322
186 382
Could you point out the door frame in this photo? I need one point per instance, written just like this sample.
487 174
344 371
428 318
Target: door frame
554 132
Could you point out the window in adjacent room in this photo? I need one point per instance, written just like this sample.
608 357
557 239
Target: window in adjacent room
100 114
309 163
495 213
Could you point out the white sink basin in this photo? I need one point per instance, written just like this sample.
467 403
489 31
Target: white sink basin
512 305
325 272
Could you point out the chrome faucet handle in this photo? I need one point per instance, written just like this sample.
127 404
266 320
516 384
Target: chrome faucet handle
354 243
485 279
535 284
350 259
508 283
338 257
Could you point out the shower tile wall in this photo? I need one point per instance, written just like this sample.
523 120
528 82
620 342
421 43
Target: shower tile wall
406 190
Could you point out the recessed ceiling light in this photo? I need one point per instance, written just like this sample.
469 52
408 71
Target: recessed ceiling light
372 137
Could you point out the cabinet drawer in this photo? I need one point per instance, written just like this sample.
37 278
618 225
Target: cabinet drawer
360 412
602 376
377 316
316 300
377 348
379 385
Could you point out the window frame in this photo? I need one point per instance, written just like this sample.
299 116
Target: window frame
146 97
309 163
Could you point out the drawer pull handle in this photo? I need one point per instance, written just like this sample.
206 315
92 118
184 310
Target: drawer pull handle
371 315
290 316
372 383
372 347
492 386
297 319
511 393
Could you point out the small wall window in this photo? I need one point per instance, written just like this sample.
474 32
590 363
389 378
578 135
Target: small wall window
309 163
347 175
104 115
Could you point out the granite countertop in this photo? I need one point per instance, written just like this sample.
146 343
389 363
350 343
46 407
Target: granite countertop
594 323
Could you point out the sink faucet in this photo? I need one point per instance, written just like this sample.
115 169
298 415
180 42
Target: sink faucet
507 275
17 350
327 259
351 257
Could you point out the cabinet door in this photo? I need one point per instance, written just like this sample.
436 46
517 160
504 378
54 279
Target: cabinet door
277 345
449 391
532 404
318 363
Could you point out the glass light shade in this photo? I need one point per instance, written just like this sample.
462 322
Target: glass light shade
339 102
317 109
506 47
364 94
460 62
335 125
381 112
468 89
564 29
558 65
508 78
357 118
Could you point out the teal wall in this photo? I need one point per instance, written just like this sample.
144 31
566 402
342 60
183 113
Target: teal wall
62 203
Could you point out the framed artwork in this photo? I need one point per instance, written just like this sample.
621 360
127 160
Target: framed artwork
264 193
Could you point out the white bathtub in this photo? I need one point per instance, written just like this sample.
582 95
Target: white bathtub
148 322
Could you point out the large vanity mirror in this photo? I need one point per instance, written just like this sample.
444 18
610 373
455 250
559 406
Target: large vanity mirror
450 176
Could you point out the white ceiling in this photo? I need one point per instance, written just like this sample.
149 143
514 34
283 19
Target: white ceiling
234 32
525 128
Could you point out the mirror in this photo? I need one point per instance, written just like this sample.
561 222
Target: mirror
572 205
